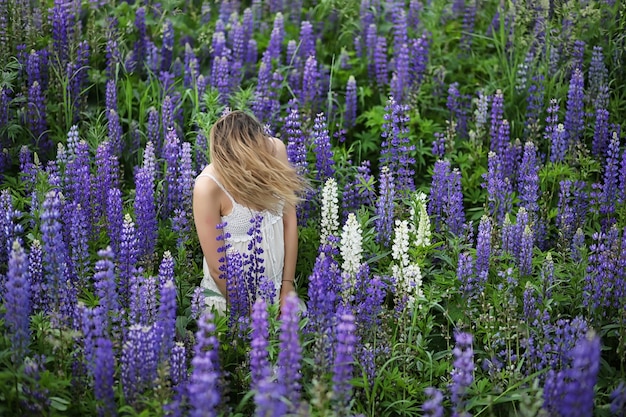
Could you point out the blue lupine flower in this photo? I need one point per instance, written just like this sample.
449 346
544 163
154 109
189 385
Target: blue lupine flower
290 353
433 407
17 302
204 392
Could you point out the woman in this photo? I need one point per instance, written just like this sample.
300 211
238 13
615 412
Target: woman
249 174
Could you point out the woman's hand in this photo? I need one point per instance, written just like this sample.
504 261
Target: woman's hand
286 288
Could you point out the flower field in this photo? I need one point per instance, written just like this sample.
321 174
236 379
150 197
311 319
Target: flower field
462 250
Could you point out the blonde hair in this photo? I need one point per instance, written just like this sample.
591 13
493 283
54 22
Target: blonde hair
242 155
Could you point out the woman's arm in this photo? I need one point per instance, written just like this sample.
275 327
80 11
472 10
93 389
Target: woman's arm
206 215
290 224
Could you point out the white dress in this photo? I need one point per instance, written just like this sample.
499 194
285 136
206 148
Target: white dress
238 225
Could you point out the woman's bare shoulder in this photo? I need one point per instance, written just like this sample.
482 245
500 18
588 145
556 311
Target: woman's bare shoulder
204 184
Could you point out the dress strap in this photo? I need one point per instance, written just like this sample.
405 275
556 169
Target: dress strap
219 184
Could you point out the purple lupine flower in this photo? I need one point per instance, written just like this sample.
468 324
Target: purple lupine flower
496 117
578 55
127 258
260 101
510 236
107 177
115 131
310 94
80 182
274 48
621 196
534 105
78 222
60 19
396 148
499 196
10 229
528 182
290 353
296 141
380 62
112 52
526 251
204 393
598 92
359 191
167 317
471 287
574 114
36 114
114 218
238 295
602 281
369 294
167 116
483 247
419 51
104 377
252 53
618 400
576 389
106 287
192 68
141 40
601 133
171 155
178 364
167 45
91 325
143 299
323 292
16 299
239 44
61 292
371 37
259 355
307 41
400 80
343 365
350 112
439 145
445 204
181 224
324 164
39 297
610 178
139 361
467 26
385 206
153 129
462 374
572 207
433 407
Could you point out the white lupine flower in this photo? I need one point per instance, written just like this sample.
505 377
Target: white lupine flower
400 248
330 210
412 283
351 245
420 216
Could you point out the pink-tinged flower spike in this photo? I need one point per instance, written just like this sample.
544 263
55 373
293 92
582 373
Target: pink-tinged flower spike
204 382
290 354
17 302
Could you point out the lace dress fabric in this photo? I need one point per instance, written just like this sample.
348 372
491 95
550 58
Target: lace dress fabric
237 226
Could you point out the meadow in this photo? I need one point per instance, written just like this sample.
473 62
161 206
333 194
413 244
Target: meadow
462 251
